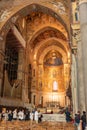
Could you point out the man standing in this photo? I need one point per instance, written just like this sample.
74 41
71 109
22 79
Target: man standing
36 116
83 118
15 114
68 117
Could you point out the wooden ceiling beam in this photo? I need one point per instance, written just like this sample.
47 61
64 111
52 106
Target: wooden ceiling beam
19 36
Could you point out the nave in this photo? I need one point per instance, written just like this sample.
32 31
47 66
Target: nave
28 125
43 58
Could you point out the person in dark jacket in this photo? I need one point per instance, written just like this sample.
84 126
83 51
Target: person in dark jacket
68 117
77 120
10 115
83 118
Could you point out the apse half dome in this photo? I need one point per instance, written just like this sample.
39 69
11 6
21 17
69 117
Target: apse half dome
53 61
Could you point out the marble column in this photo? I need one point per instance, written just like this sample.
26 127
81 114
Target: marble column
80 82
74 84
83 24
20 72
34 80
25 78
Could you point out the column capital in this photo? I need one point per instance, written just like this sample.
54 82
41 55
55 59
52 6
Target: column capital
76 35
82 1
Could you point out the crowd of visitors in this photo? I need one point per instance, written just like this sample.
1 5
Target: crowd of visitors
10 115
36 115
77 118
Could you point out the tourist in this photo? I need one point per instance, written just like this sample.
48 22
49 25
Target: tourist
39 116
31 116
68 117
83 118
79 114
21 115
10 115
6 115
15 114
3 114
36 116
77 120
27 115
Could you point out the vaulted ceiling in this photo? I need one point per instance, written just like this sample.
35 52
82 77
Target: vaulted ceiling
42 24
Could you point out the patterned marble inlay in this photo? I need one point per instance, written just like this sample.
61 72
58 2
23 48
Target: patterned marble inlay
4 15
58 6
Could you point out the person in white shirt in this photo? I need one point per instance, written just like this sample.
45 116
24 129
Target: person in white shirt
36 116
31 116
15 114
21 115
6 115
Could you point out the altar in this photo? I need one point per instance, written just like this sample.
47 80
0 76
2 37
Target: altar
54 117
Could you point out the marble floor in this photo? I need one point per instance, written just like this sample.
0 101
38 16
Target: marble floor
32 125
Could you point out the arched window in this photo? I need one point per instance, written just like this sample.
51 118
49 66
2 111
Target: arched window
55 85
